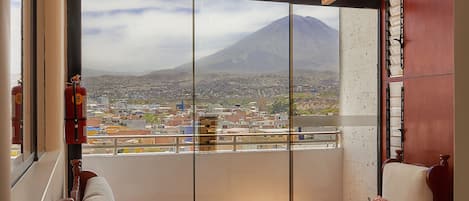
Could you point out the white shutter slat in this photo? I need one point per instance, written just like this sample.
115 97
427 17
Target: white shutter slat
395 31
395 132
395 66
395 102
395 20
395 49
395 11
395 2
395 59
395 111
396 141
396 70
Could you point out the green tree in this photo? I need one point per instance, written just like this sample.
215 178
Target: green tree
150 118
280 105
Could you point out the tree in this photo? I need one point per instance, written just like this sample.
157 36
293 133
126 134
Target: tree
280 105
150 118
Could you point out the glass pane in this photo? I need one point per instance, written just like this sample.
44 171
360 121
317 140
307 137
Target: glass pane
316 82
242 100
139 102
16 83
316 86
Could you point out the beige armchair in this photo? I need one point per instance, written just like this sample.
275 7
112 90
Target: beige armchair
409 182
87 186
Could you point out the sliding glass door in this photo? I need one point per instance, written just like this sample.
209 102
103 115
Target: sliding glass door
139 96
242 110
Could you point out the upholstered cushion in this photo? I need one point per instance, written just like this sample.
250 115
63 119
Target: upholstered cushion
97 189
404 182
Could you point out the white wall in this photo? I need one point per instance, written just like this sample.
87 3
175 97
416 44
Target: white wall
257 176
461 163
359 53
5 118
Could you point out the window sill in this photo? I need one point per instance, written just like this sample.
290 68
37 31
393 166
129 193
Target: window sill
44 180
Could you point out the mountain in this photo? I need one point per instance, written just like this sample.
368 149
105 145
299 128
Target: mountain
252 68
315 47
91 72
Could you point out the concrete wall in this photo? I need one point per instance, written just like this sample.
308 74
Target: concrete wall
359 85
259 176
5 125
461 173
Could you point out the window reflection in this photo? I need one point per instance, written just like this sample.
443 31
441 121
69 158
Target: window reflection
16 79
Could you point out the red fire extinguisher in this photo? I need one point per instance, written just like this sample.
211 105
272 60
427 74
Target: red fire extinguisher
17 113
75 112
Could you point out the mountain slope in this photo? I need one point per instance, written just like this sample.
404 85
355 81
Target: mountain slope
315 47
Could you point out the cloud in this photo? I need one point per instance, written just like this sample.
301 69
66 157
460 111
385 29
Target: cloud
109 5
135 11
147 35
15 3
329 15
136 41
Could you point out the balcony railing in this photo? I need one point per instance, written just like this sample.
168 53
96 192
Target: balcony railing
178 143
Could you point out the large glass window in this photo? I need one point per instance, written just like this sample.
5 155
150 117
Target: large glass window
316 82
137 69
131 55
235 99
16 78
22 144
241 75
316 97
241 81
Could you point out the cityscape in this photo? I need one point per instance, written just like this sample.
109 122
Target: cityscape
242 89
140 105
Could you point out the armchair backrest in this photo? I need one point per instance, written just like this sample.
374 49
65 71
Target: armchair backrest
410 182
404 182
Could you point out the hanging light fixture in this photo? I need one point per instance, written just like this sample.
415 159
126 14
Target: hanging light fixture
327 2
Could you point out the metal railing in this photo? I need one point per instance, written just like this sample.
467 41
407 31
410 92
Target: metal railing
177 143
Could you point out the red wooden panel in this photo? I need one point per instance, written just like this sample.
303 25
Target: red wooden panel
428 116
429 33
428 81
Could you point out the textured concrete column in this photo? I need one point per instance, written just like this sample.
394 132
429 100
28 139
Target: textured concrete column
5 118
461 162
54 71
358 97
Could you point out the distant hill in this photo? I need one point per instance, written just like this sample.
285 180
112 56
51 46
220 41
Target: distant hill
88 72
316 47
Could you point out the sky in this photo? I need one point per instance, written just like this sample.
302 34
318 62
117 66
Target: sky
15 45
140 36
